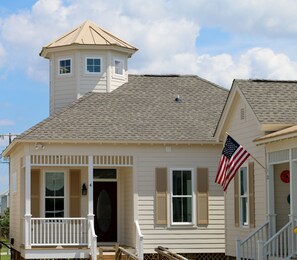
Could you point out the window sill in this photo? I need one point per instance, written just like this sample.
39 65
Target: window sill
189 226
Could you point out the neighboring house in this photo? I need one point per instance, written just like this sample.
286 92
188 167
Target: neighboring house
130 161
261 202
4 202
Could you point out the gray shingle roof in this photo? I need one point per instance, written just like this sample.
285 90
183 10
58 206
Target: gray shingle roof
142 110
273 101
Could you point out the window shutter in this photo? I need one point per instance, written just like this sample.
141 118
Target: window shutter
161 196
236 200
35 193
74 190
251 194
202 196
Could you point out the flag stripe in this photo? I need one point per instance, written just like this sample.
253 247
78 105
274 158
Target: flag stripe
233 156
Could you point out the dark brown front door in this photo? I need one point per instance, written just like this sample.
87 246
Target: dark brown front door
105 210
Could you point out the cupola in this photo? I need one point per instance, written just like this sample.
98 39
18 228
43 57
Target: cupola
85 59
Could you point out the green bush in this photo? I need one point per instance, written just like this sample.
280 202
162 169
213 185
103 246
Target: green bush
4 225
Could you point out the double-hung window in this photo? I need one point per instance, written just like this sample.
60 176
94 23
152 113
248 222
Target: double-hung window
64 66
181 196
118 67
54 194
244 196
93 65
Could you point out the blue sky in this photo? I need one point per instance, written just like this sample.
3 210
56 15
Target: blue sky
218 40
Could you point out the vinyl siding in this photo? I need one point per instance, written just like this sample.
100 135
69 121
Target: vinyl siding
245 131
17 199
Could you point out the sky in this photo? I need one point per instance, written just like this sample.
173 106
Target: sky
218 40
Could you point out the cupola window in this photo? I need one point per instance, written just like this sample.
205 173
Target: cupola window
93 65
65 66
118 67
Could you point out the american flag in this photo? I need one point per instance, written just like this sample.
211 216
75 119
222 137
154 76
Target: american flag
233 156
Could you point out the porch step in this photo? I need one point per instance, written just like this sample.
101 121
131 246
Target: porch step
109 252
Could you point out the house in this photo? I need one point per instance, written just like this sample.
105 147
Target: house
127 159
260 203
4 199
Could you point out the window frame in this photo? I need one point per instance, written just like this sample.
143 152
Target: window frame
59 66
242 197
183 196
115 68
86 65
66 176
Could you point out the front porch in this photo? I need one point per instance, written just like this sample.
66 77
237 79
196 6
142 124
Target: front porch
276 238
65 216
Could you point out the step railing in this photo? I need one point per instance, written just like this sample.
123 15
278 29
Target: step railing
139 240
248 248
125 254
165 253
279 246
58 231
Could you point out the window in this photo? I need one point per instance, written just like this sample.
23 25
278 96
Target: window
119 67
54 194
65 66
182 197
244 199
93 65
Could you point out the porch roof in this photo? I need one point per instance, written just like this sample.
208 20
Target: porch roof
147 109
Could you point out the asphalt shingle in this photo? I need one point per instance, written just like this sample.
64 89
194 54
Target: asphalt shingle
144 109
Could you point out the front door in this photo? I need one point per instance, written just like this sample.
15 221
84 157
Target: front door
105 210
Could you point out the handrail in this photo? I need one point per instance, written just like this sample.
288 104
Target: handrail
139 240
129 255
165 252
279 245
247 248
92 240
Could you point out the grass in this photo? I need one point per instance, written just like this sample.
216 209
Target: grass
5 257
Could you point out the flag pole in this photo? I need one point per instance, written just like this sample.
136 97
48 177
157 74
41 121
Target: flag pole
253 158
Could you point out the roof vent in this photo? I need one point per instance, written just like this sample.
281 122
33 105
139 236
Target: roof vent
178 99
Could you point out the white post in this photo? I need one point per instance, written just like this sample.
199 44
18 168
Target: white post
27 202
238 251
293 200
90 198
270 200
260 249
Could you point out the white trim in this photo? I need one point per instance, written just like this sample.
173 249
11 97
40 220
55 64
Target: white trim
71 66
192 196
86 65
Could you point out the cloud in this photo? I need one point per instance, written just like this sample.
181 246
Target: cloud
6 122
165 32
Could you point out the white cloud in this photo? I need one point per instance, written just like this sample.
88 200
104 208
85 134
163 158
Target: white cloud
6 122
165 31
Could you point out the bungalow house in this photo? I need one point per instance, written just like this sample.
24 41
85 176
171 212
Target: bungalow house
260 202
126 159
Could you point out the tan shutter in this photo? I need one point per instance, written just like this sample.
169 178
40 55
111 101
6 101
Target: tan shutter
236 200
74 191
161 196
35 193
252 194
202 196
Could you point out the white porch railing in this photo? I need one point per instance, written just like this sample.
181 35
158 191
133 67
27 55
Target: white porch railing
139 240
248 248
59 231
279 246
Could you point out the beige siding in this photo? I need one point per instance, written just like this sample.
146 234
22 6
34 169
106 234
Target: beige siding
245 131
16 198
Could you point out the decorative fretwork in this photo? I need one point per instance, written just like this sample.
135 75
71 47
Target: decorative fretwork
113 160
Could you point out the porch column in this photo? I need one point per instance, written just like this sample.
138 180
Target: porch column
293 198
90 189
270 200
28 215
